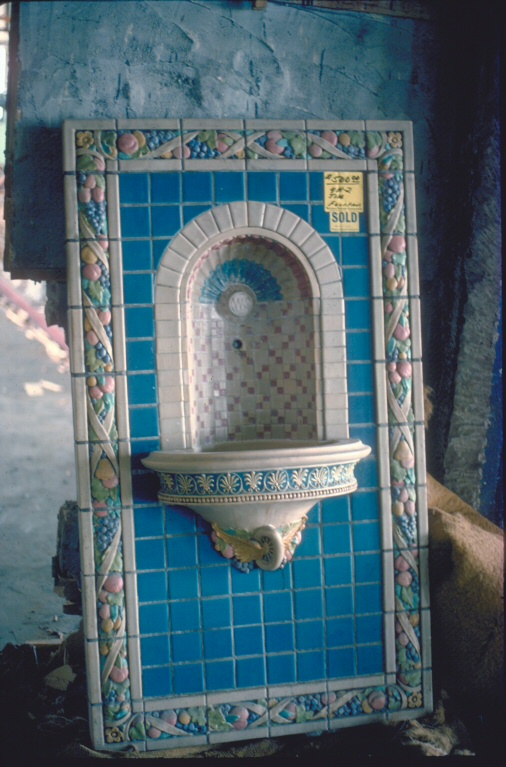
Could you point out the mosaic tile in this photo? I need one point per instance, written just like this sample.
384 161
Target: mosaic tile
155 201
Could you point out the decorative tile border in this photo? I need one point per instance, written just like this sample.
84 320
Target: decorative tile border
91 151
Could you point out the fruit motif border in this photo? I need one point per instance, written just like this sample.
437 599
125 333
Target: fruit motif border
96 151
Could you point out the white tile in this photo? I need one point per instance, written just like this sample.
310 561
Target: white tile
413 270
417 399
379 351
321 258
312 245
239 213
89 596
83 476
337 165
118 339
381 394
427 690
388 585
165 294
134 667
343 722
387 125
128 537
167 312
69 146
167 278
301 233
131 598
410 203
171 410
335 125
74 294
372 166
426 634
272 217
168 362
216 164
373 206
167 345
194 234
423 560
113 213
329 275
91 125
389 635
407 147
260 124
116 269
423 523
208 224
149 166
237 696
96 720
334 354
375 260
71 208
122 422
179 701
278 730
86 548
149 124
175 742
93 671
276 164
256 212
421 467
238 735
355 683
199 124
79 408
385 498
223 218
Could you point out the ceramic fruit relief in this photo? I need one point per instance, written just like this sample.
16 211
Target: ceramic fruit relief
179 651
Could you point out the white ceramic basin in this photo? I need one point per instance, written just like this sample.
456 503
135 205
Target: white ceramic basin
246 484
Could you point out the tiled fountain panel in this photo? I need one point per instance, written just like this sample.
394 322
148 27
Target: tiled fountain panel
183 648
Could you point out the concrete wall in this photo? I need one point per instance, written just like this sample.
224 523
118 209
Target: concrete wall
222 59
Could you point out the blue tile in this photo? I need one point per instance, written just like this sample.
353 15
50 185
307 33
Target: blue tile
368 436
215 581
133 188
358 314
145 487
308 604
218 644
302 211
197 187
185 616
356 282
142 389
336 509
340 632
360 377
136 256
368 598
310 665
247 609
369 629
155 651
154 619
165 187
262 186
188 678
281 669
277 580
182 551
338 571
220 675
150 555
279 637
366 473
183 584
140 449
370 659
250 672
159 248
186 647
216 613
366 536
310 544
207 553
307 573
192 211
141 355
156 682
179 520
135 222
293 187
166 220
148 522
140 323
242 584
316 186
249 640
361 408
309 635
278 607
152 587
138 288
364 505
334 243
355 250
339 601
341 663
320 219
359 345
229 187
144 422
336 539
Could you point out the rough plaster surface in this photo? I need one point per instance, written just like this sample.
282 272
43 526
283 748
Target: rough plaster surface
202 59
